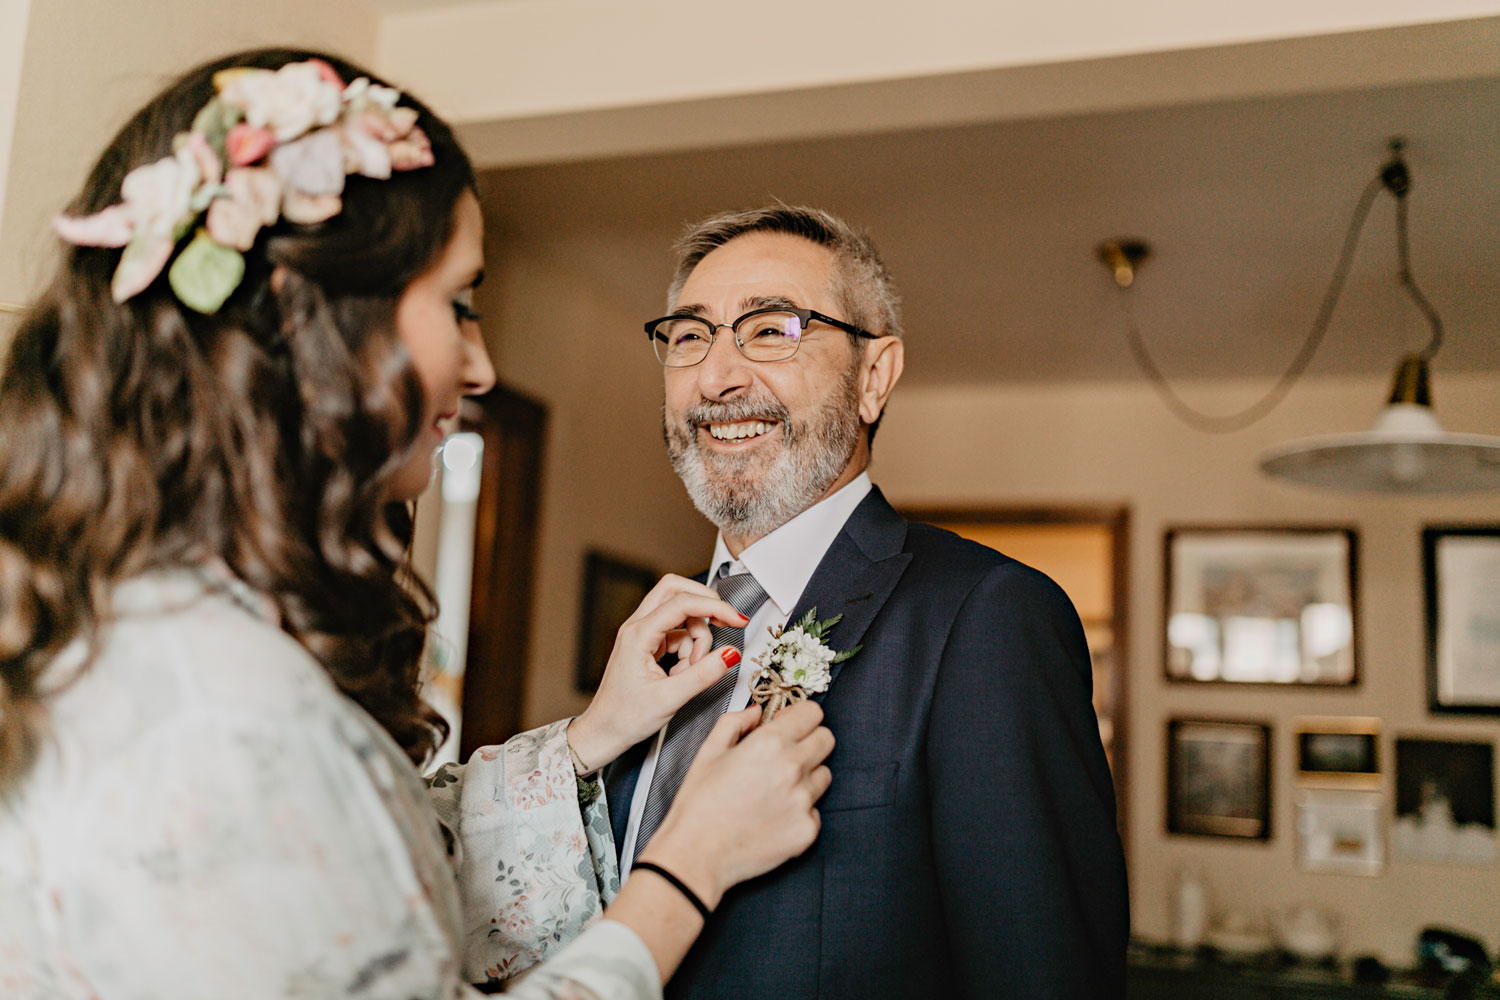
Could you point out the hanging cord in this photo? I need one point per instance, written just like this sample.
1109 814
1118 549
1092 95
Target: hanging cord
1397 181
1229 423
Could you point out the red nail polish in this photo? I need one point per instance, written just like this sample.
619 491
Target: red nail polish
730 656
744 616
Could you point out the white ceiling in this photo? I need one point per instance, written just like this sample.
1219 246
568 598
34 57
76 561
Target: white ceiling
990 229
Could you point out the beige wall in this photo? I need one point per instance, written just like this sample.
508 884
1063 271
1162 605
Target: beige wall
86 65
1115 442
13 15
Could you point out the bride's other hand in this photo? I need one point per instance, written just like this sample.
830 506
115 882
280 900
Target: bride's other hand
751 795
636 696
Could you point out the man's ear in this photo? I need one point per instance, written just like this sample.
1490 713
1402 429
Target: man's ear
880 368
278 278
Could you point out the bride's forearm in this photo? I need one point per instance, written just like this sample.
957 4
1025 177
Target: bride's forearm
660 911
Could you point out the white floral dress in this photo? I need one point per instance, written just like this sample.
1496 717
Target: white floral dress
210 817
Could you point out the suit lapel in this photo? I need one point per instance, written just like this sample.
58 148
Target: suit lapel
857 574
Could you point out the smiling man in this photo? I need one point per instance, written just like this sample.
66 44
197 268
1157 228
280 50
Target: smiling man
968 846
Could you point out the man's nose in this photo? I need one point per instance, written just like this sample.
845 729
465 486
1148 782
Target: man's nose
724 370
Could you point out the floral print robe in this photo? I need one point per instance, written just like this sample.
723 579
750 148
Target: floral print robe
210 817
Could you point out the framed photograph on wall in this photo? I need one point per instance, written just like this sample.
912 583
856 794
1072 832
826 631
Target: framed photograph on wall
1342 750
1261 605
1219 778
612 590
1445 801
1339 831
1461 575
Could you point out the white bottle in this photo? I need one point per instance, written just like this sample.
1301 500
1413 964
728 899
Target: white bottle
1189 910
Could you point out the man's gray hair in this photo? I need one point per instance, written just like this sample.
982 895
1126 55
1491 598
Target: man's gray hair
862 284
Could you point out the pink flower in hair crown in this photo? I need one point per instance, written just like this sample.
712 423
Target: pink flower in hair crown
271 145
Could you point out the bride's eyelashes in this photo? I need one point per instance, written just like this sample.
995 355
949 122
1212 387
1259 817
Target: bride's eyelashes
463 307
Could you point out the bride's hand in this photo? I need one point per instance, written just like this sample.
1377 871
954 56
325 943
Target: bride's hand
747 803
636 697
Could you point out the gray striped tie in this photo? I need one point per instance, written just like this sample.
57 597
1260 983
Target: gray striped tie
692 723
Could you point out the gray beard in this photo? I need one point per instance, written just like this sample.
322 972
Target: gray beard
741 499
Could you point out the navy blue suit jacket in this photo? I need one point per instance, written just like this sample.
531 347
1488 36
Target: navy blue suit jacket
968 845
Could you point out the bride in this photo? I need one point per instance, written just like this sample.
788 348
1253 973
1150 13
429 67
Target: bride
210 724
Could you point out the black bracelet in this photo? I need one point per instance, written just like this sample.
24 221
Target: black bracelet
677 884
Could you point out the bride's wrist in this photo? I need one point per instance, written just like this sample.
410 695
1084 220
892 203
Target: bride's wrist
692 866
589 750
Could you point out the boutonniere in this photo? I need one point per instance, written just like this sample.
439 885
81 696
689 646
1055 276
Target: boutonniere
795 665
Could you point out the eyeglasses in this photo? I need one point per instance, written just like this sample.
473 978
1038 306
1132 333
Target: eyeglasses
761 335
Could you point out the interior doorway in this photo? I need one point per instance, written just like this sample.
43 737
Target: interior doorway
475 545
514 429
1086 551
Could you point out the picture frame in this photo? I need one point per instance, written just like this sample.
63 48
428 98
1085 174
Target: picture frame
1267 605
612 589
1461 583
1219 778
1445 801
1338 751
1340 831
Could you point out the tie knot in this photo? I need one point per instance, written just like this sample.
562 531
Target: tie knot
742 592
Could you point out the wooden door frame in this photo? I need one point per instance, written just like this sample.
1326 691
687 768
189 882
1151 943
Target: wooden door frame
506 527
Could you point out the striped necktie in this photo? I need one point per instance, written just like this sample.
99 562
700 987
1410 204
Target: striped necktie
692 723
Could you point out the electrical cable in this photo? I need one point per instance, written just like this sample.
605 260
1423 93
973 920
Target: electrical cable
1229 423
1410 283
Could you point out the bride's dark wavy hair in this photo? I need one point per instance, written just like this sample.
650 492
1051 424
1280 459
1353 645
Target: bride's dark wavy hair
144 435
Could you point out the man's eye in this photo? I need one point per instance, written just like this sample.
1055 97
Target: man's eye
769 331
688 336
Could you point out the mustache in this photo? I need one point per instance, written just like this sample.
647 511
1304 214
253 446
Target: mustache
711 412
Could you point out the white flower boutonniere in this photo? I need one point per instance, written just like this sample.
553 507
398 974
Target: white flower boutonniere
796 664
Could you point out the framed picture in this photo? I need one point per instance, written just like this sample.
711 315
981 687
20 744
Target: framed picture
1445 801
612 590
1338 750
1261 605
1338 831
1219 778
1462 576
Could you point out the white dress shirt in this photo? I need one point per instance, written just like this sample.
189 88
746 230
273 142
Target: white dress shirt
782 563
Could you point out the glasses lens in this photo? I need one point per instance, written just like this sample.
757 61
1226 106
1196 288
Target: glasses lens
680 342
769 336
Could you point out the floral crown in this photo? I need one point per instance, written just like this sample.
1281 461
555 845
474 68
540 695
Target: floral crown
272 144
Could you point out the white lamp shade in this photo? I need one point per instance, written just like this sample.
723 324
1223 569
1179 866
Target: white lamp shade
1407 451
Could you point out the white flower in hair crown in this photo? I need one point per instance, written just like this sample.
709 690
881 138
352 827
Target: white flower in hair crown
796 664
272 144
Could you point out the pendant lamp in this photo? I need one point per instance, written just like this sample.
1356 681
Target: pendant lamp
1407 451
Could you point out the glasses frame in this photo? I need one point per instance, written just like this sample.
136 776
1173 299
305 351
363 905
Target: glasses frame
806 316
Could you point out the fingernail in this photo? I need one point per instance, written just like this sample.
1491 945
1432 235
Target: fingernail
730 656
744 616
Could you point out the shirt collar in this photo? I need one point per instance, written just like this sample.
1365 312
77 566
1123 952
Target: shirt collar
783 561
